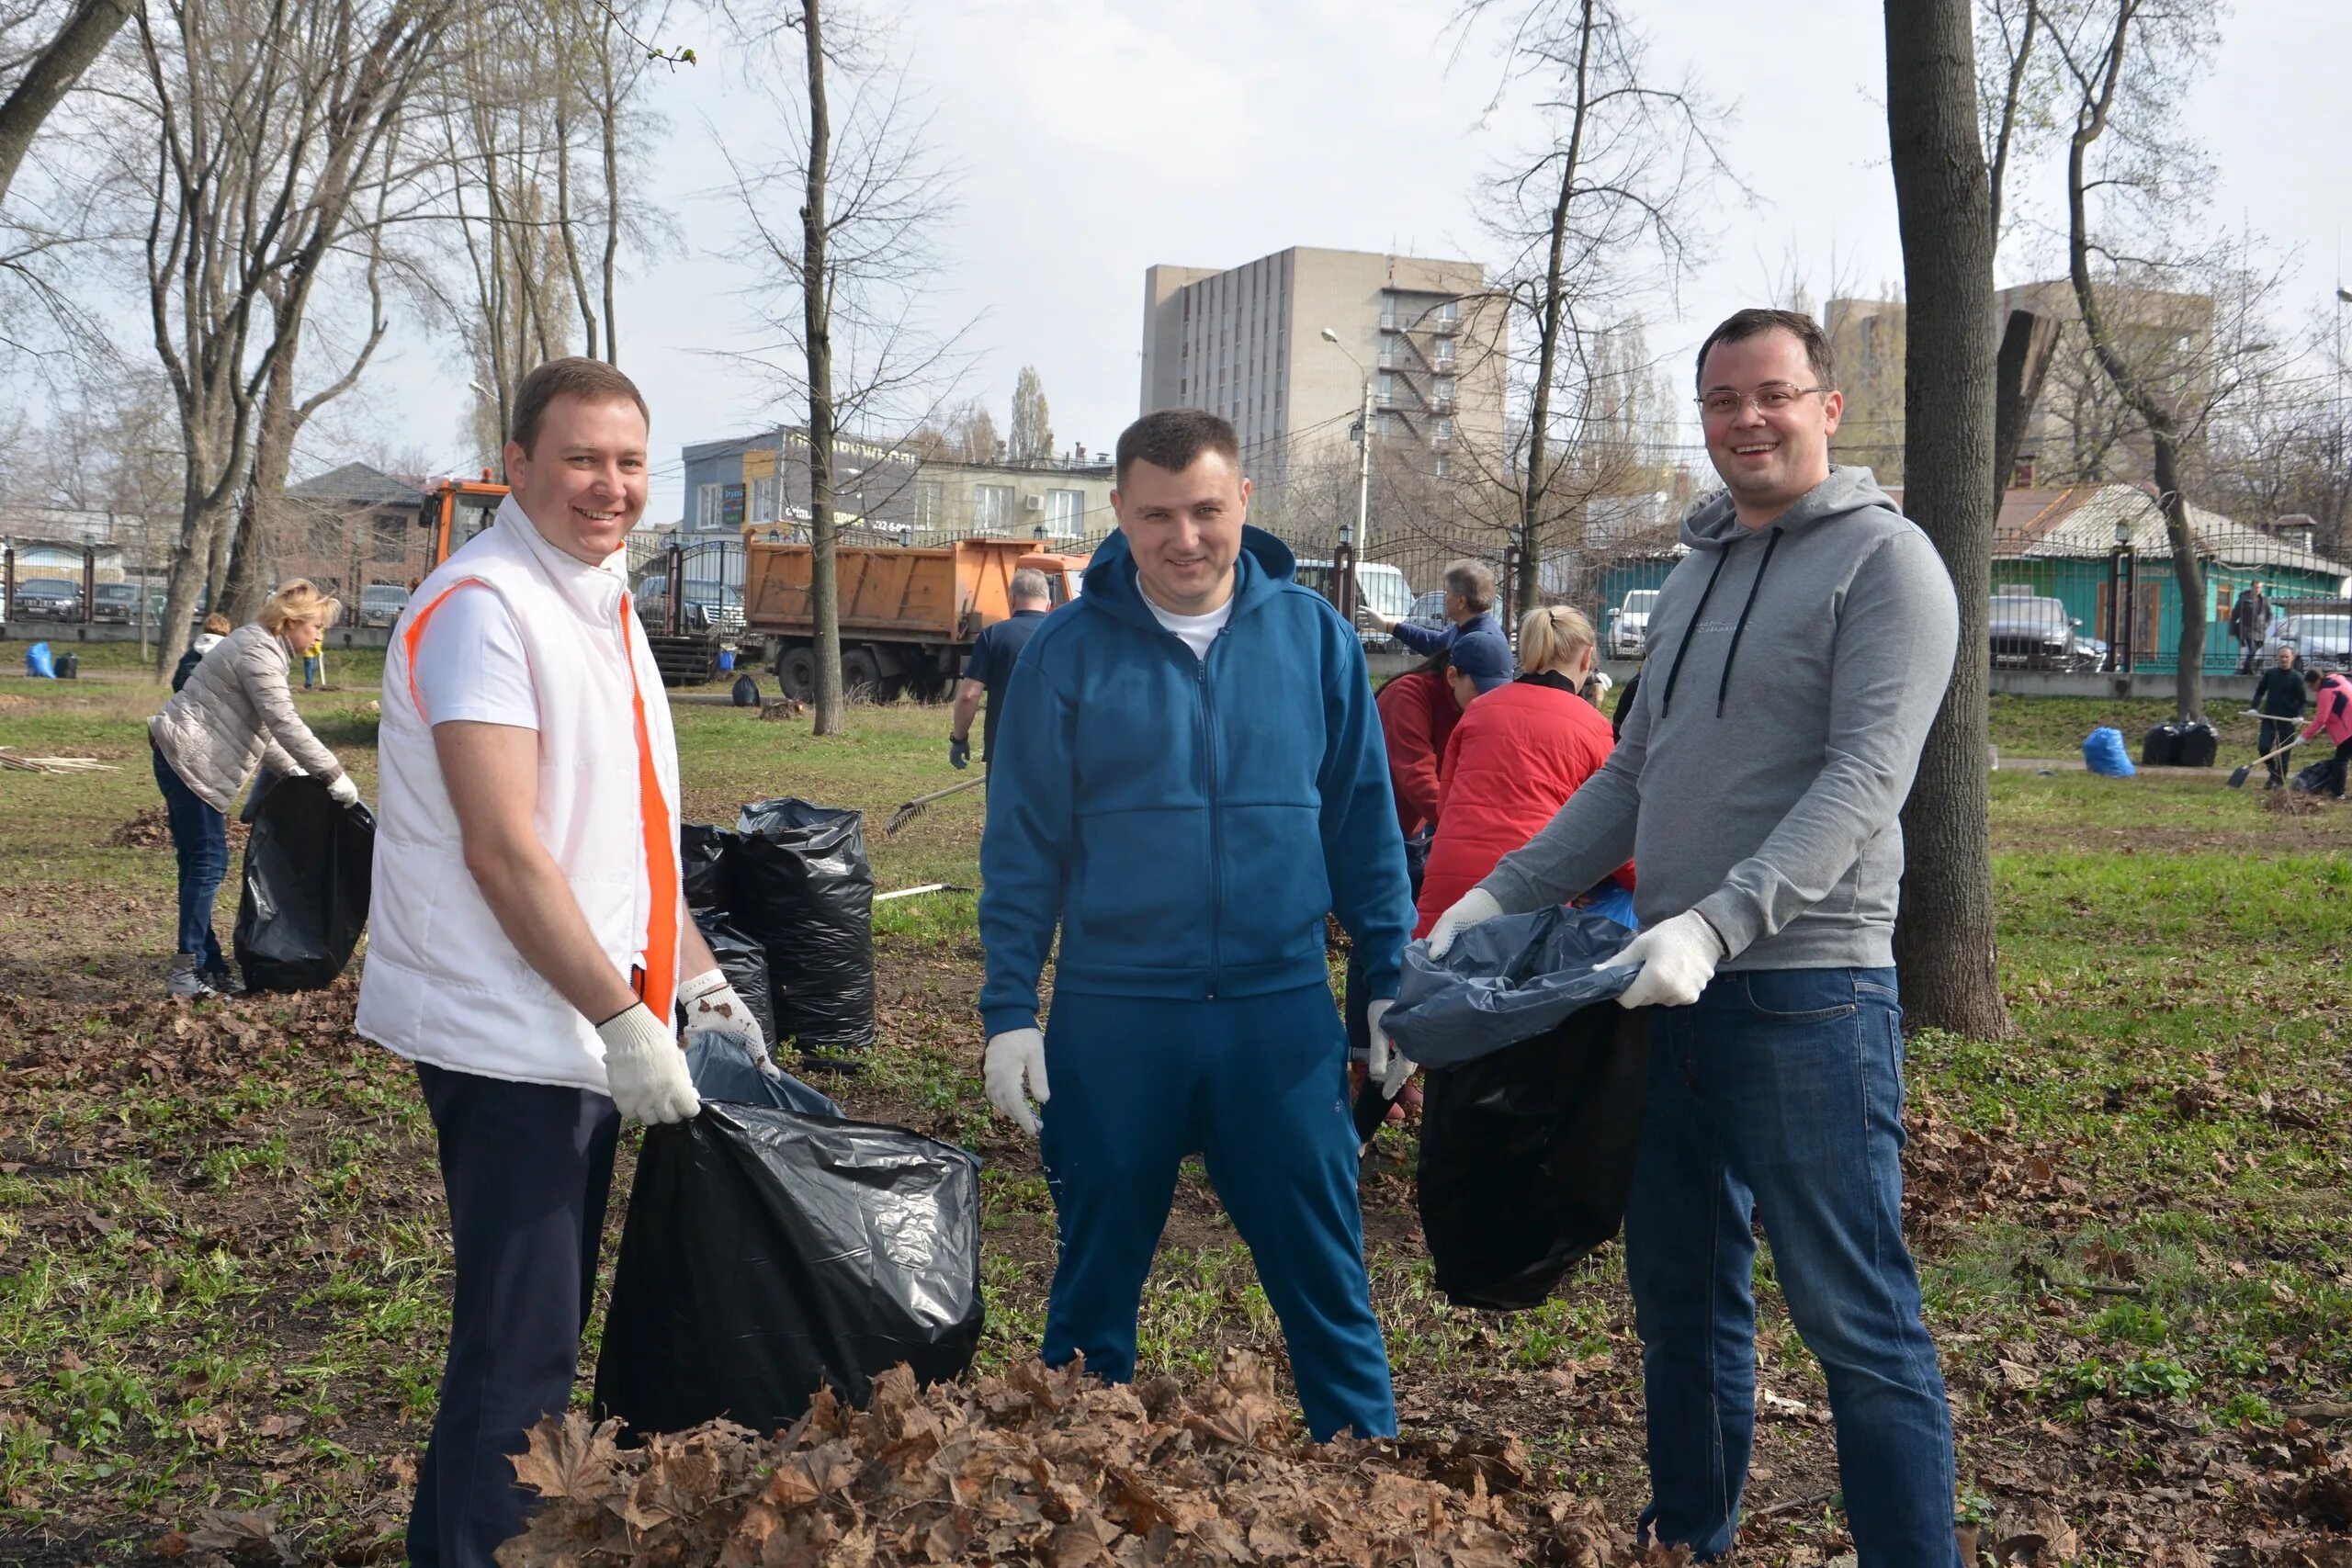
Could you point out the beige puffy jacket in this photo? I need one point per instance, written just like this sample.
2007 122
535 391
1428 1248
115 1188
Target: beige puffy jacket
234 714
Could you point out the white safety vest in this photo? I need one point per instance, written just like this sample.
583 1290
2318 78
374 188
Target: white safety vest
442 983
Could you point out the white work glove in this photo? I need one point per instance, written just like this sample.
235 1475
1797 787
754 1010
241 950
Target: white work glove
712 1006
342 792
1015 1058
645 1068
1474 907
1383 1062
1678 958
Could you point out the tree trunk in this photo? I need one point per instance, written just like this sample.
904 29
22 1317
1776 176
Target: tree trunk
2187 570
84 36
816 294
1946 938
1552 308
2027 343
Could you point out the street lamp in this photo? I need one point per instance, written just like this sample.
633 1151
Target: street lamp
1363 453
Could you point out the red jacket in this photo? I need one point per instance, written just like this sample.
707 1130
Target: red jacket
2332 717
1417 714
1517 755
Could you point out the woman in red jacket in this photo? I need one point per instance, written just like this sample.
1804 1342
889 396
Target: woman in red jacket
1417 717
1517 755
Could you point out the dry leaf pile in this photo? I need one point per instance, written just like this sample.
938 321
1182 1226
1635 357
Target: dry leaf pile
1050 1467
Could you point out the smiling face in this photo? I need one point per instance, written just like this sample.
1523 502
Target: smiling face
1184 529
1769 458
583 485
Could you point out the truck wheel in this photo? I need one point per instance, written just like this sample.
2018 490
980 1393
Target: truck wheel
861 675
795 672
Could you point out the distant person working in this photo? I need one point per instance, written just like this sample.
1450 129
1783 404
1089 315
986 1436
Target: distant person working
1469 612
2278 698
990 668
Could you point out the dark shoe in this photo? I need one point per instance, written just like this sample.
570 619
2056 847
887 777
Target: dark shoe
221 980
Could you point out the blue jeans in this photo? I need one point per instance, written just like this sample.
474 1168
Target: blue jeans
1778 1095
200 839
1259 1086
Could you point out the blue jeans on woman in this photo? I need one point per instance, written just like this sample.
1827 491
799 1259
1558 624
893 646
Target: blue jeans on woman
1778 1095
200 839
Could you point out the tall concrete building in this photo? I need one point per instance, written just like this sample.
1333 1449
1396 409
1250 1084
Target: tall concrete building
1247 343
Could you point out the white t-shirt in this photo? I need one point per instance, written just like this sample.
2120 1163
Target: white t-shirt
470 663
1197 631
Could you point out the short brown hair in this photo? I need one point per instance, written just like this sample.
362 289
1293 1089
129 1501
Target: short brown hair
1174 439
218 624
592 380
1473 582
1754 322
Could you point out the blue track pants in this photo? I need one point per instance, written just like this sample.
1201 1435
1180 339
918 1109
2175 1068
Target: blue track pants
1257 1085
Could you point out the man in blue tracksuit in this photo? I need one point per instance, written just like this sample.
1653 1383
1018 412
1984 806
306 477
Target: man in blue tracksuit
1189 779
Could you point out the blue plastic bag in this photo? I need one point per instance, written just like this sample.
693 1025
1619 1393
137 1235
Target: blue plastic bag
1504 981
37 662
722 1069
2104 754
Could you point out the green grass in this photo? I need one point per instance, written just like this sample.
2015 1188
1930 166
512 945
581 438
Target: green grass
223 1260
2055 726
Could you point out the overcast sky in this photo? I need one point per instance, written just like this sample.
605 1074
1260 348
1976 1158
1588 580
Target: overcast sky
1097 137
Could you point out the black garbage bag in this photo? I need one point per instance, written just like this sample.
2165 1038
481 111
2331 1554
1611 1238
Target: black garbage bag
2199 744
723 1069
1504 981
2160 746
1527 1156
744 693
305 897
2317 779
768 1253
804 890
745 964
706 859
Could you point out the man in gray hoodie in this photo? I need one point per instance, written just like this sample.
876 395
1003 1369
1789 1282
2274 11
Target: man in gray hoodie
1797 656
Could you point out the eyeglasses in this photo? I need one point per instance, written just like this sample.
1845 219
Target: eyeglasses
1770 398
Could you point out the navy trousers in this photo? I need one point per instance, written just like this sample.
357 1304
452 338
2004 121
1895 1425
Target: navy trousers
528 1168
1259 1086
200 840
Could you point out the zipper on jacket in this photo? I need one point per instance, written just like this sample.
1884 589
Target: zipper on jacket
1216 854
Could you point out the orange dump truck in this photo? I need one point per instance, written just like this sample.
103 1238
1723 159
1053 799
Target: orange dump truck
907 616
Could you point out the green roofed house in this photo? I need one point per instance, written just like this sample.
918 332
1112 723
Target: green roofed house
2061 544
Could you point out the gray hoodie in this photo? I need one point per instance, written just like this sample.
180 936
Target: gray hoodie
1792 675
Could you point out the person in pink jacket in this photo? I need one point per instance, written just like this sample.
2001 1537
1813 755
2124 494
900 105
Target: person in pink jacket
2333 717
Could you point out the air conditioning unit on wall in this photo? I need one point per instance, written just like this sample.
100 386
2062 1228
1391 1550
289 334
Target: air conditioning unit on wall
1033 504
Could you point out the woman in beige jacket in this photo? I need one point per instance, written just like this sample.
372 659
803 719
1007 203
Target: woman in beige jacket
234 714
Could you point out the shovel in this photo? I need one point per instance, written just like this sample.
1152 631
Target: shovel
2239 776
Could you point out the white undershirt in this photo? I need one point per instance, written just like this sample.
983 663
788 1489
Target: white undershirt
471 664
1197 631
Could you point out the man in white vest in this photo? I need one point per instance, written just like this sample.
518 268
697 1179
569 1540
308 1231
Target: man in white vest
528 924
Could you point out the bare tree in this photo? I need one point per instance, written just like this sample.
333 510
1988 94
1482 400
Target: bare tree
843 294
1599 216
270 117
1946 936
49 72
1032 438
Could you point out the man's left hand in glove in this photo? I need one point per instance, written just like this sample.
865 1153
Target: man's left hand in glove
712 1006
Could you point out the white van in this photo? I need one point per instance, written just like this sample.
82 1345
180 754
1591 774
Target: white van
1629 624
1380 589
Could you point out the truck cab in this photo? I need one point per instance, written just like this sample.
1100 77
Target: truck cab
454 511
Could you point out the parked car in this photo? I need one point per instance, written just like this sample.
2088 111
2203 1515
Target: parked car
116 604
1381 591
380 603
706 606
2032 631
1428 609
46 599
2323 642
1629 624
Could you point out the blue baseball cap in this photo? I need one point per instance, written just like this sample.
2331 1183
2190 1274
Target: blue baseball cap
1485 658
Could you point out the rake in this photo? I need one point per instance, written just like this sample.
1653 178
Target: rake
923 803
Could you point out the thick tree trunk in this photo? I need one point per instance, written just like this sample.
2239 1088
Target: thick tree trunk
2027 343
816 292
86 32
2187 570
1946 944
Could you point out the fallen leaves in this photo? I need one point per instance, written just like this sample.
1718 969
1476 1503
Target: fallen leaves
1052 1467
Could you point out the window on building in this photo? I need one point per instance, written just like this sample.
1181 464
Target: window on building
763 501
992 508
1444 472
928 504
1064 514
707 499
1445 429
1449 310
1444 388
1387 384
1446 351
1384 423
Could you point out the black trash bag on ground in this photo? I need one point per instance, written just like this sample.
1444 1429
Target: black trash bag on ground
804 890
1503 981
1527 1156
744 693
2160 746
745 964
706 859
768 1253
723 1069
2199 744
2317 779
304 902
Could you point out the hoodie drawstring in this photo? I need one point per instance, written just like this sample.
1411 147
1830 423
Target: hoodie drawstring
1741 627
1674 671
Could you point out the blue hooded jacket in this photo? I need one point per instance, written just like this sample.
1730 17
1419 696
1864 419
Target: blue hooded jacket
1188 823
